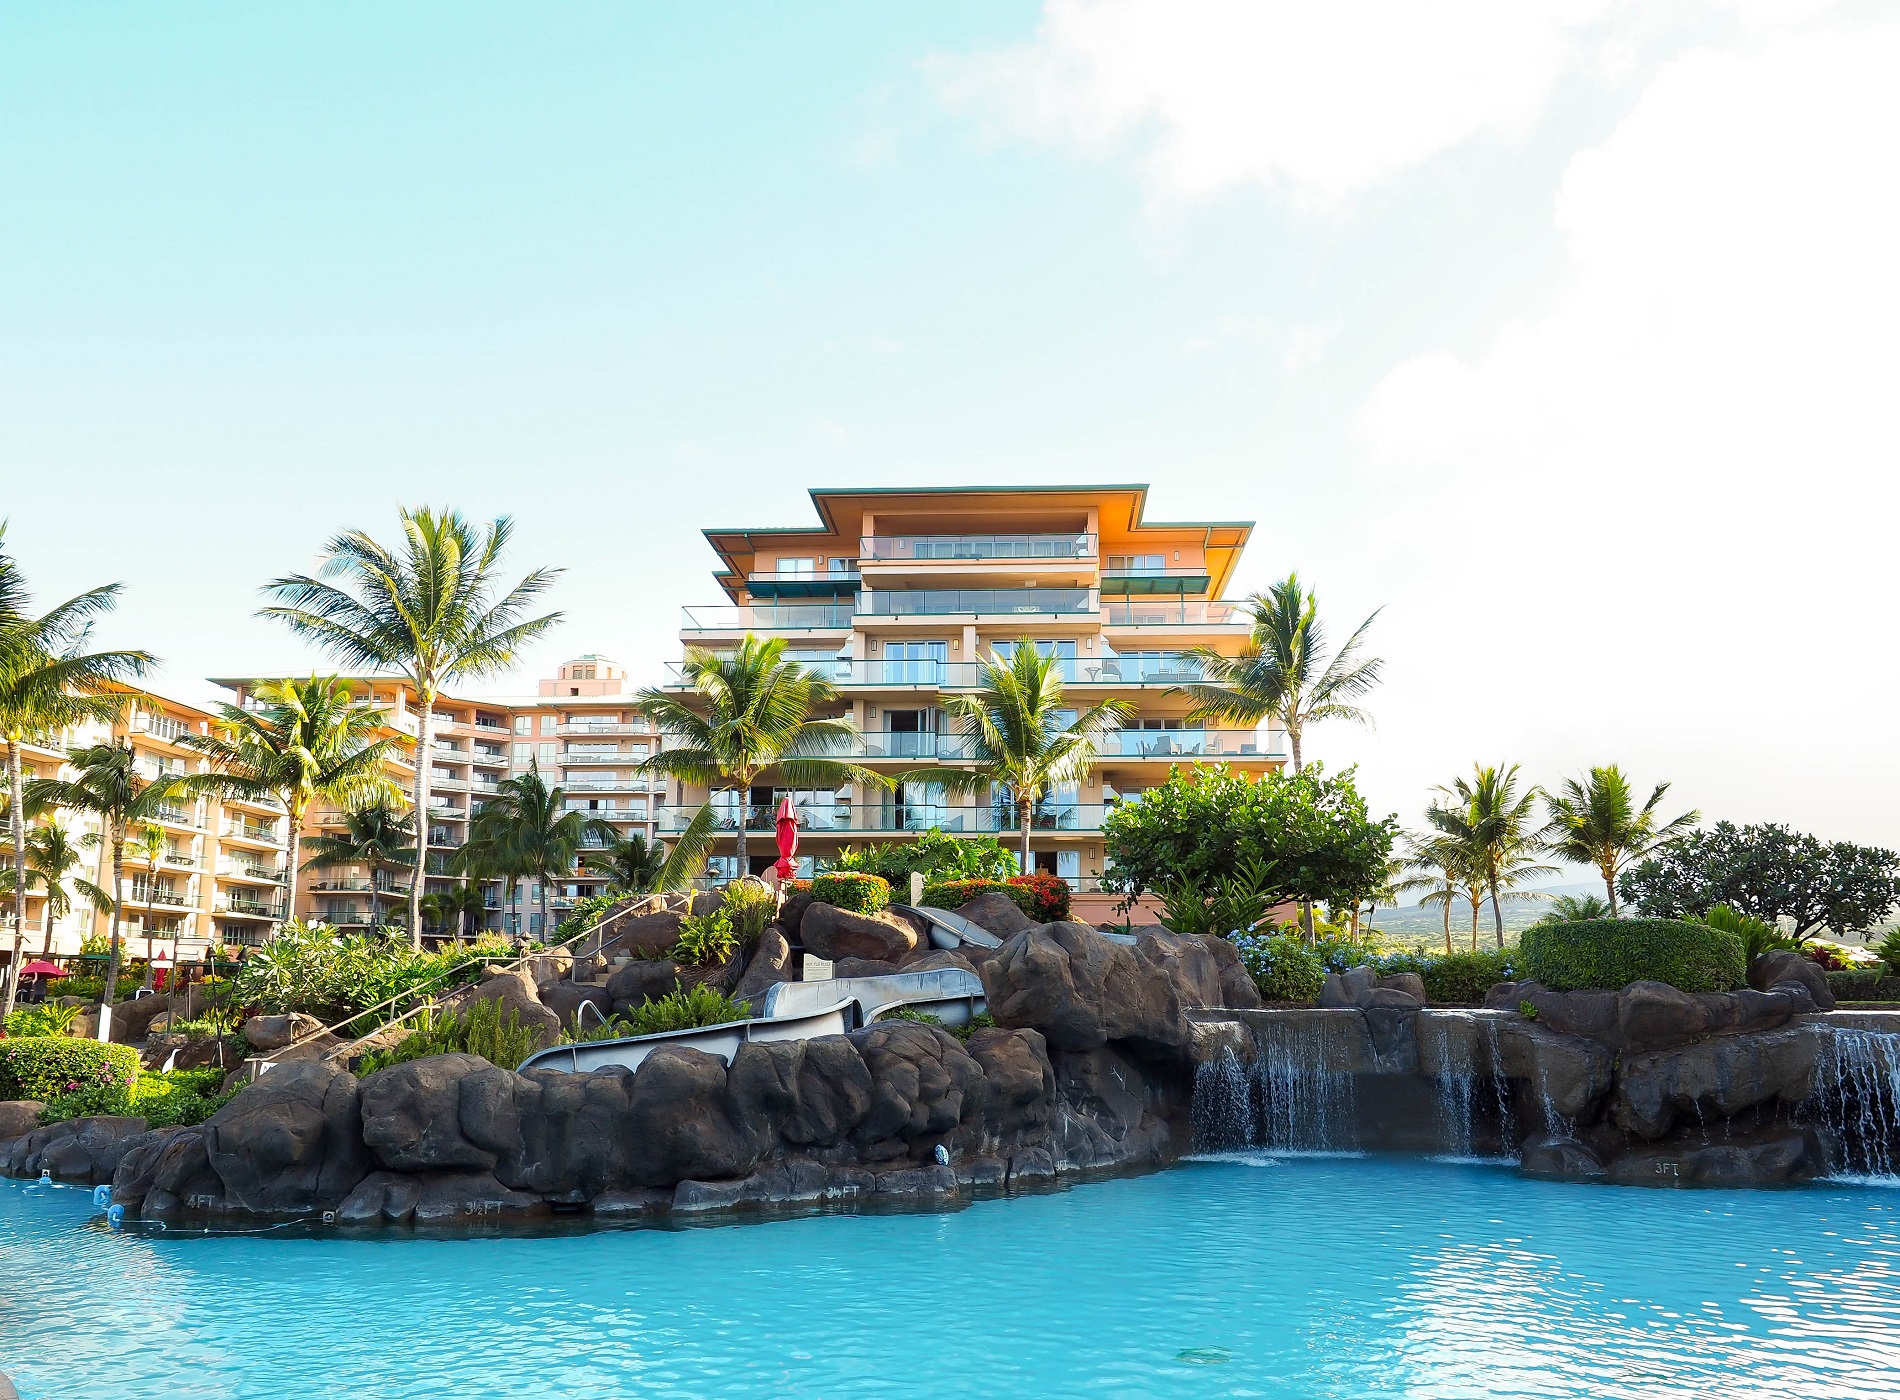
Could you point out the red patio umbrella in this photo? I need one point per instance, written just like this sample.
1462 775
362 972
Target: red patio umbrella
787 823
39 967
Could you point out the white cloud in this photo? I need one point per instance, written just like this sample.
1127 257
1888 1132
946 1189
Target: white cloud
1321 101
1656 519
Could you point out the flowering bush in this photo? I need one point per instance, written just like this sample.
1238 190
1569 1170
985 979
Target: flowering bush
1282 967
1048 896
46 1067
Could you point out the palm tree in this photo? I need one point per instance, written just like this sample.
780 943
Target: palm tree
1575 909
107 784
457 902
429 610
1013 727
49 682
524 825
149 844
375 834
305 740
52 854
1435 861
753 716
1597 822
1283 672
1490 821
632 863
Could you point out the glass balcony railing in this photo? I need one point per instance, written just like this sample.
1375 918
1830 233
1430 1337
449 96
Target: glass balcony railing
1187 743
896 817
762 617
605 726
251 831
1162 610
1033 602
955 547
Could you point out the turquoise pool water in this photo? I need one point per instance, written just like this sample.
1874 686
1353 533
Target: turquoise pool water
1286 1277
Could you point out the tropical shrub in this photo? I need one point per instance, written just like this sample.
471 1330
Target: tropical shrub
1888 949
1282 967
1757 935
706 940
1048 900
853 890
92 987
954 894
1611 953
478 1029
1857 984
164 1099
1463 979
42 1020
686 1009
45 1067
585 913
749 907
938 856
314 969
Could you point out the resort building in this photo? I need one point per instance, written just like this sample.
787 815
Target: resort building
898 594
580 731
217 875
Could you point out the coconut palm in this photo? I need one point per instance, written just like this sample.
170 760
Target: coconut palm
148 845
376 834
1284 673
1015 733
632 863
1491 823
49 681
303 740
1596 822
428 609
1435 862
749 712
52 854
455 904
525 826
108 784
1575 909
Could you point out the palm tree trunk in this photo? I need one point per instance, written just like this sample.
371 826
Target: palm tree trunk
1293 741
17 823
425 762
1448 923
118 915
541 884
151 881
295 811
1497 913
1024 815
741 865
1477 907
1609 883
375 900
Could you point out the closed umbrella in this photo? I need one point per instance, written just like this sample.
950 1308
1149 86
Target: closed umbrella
787 823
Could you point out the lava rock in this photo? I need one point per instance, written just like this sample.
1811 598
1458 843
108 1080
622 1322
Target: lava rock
771 964
86 1150
1781 967
656 932
932 959
565 1000
924 1086
1560 1158
680 1122
1020 1092
834 933
412 1113
862 967
291 1143
19 1117
1764 1158
1714 1078
1237 988
515 993
998 913
267 1033
641 981
1082 990
791 914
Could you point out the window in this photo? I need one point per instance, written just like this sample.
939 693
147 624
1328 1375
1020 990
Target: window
842 566
584 673
548 724
524 724
547 753
797 568
524 754
1136 564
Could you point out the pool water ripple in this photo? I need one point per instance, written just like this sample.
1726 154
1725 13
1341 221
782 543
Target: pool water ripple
1284 1276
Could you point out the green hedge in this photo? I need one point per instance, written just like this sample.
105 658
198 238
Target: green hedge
1044 898
1282 966
1455 979
46 1067
1610 953
1860 984
853 890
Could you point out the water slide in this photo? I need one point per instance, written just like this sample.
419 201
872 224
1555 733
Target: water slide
793 1011
949 930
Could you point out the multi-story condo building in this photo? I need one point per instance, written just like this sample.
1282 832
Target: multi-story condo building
220 876
581 732
898 594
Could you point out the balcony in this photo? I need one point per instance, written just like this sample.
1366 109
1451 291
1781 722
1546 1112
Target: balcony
1126 581
572 757
786 617
251 831
163 894
818 819
811 584
1173 612
903 548
161 727
979 602
492 726
253 870
183 859
251 908
488 757
1187 743
604 784
173 815
446 782
605 726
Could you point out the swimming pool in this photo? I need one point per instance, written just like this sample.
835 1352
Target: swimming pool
1254 1276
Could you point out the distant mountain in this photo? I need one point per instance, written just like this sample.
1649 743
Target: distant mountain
1411 922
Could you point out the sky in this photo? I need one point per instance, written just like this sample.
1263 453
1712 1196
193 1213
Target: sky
1561 334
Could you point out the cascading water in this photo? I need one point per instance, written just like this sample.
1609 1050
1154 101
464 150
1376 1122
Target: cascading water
1223 1105
1858 1098
1304 1104
1500 1087
1467 1086
1455 1086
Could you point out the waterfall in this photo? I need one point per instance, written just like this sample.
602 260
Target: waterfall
1858 1093
1304 1105
1223 1105
1455 1089
1500 1087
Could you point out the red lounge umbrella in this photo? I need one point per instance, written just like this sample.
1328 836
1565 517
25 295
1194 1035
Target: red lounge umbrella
787 823
39 967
